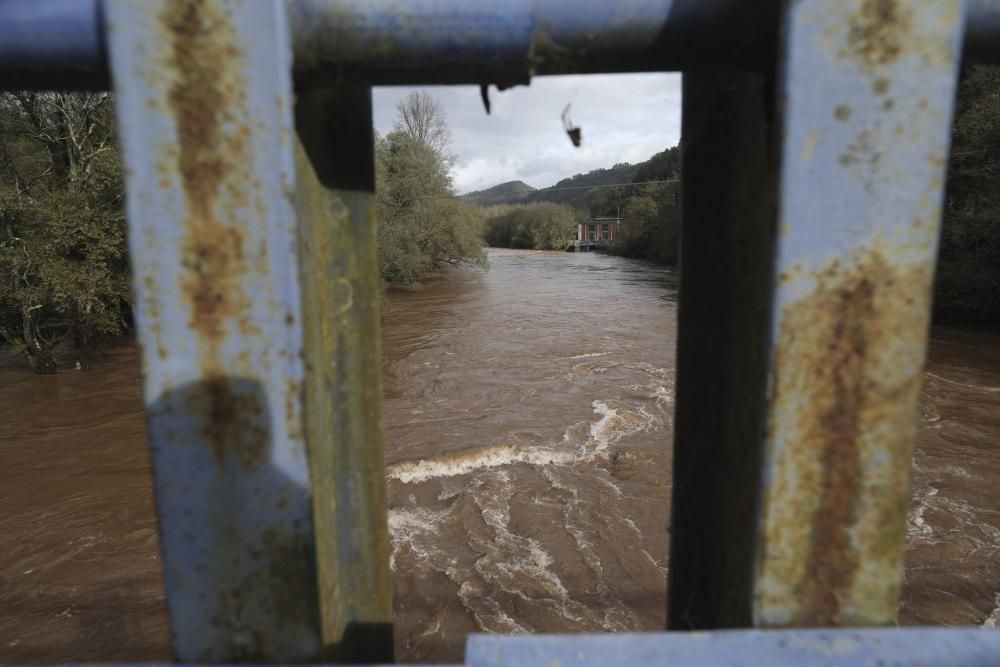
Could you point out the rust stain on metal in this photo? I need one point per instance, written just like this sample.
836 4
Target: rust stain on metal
207 98
294 395
211 159
880 86
847 374
829 563
877 32
862 151
235 420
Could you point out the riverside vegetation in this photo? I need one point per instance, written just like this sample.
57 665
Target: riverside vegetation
968 270
64 273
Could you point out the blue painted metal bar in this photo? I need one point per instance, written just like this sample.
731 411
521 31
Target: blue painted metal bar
867 98
899 647
982 30
58 43
454 41
55 43
204 99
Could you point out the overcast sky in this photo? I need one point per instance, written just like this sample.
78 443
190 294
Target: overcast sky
624 118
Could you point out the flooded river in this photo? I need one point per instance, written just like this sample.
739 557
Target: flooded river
528 416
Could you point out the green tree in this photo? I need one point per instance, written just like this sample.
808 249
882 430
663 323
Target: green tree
63 267
535 226
421 225
652 225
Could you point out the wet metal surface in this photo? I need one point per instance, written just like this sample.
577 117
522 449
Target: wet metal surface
204 107
867 105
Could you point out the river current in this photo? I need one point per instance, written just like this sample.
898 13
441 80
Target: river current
528 413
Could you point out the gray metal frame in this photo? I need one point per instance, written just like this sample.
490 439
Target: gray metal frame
815 142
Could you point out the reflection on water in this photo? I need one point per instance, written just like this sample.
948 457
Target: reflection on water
528 416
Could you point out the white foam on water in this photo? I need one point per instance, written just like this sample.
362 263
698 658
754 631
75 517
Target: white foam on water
616 617
612 425
487 611
916 526
664 395
993 620
503 560
966 531
652 561
405 524
959 472
588 355
663 373
967 385
463 463
515 564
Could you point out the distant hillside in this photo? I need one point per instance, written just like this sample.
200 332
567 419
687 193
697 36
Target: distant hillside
582 190
577 190
505 193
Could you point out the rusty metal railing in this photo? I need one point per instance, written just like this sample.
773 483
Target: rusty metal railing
815 137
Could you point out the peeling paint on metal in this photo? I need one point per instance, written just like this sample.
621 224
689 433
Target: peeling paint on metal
208 163
855 264
876 31
847 360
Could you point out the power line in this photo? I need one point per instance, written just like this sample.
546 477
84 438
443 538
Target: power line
612 185
553 189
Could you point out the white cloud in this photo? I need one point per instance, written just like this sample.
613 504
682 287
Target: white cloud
624 118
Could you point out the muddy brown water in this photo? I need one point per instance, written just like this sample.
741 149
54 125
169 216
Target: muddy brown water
528 414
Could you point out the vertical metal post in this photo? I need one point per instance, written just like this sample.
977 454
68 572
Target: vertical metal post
867 90
342 295
204 96
729 169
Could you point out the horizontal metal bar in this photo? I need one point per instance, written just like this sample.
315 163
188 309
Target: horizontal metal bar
60 43
458 41
909 647
48 44
982 30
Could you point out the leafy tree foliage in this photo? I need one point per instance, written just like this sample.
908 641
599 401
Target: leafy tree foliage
537 226
421 225
63 266
651 214
652 225
968 277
